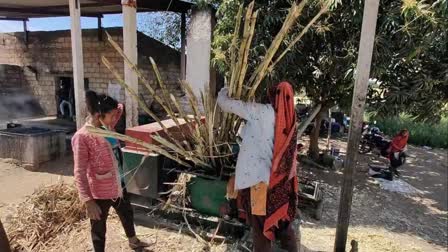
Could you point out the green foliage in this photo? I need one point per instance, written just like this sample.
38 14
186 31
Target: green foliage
314 65
411 59
410 55
421 133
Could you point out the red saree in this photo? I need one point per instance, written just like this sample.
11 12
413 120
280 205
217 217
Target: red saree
283 185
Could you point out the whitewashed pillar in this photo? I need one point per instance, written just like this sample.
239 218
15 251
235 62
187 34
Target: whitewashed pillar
130 50
199 39
78 65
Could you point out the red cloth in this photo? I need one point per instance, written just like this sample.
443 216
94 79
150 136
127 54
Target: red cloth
399 142
283 185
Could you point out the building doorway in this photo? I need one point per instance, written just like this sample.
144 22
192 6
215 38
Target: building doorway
65 98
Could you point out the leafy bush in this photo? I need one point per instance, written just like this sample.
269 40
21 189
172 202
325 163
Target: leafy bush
423 134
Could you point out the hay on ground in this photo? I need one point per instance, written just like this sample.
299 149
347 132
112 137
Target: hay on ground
48 212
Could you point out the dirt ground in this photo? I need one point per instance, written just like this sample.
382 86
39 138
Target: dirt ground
380 220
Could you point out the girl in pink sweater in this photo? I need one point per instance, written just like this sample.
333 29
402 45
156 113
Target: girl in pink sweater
97 166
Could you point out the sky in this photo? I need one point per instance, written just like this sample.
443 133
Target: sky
152 24
63 23
59 23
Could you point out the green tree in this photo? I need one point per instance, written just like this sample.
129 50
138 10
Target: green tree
321 64
409 58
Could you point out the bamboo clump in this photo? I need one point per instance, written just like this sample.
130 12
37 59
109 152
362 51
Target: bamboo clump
211 132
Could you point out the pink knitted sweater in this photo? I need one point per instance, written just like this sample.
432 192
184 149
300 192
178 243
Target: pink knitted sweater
95 166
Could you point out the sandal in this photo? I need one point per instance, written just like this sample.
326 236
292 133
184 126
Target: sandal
138 244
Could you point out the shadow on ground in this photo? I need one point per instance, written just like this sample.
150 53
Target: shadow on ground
422 215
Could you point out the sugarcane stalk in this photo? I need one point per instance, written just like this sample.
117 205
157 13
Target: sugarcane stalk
137 98
232 48
249 29
209 120
147 146
178 150
299 37
165 95
260 72
193 102
140 75
122 83
242 49
237 65
185 117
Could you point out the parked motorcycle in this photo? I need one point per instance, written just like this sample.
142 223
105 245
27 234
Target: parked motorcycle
372 139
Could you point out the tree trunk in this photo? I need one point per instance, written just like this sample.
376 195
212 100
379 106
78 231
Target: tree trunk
314 136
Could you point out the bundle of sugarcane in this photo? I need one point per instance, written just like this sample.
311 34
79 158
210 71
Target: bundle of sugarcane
207 146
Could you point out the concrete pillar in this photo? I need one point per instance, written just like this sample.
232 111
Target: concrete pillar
199 40
78 65
130 50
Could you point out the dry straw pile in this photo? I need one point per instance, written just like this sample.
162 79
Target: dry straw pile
47 213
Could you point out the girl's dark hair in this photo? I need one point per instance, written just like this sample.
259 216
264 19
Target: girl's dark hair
100 103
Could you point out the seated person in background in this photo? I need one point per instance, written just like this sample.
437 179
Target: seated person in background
396 150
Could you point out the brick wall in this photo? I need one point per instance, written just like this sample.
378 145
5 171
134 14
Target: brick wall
48 57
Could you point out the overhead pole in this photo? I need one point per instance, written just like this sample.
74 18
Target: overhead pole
357 112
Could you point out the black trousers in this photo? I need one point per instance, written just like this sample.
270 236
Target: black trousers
124 211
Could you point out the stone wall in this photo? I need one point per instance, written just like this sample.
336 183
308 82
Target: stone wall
47 56
10 77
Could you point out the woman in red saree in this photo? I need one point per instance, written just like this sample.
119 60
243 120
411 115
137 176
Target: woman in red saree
280 196
399 142
396 151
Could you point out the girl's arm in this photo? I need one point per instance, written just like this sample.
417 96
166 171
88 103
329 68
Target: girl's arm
118 115
81 157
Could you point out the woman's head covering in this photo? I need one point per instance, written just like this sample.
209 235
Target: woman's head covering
282 99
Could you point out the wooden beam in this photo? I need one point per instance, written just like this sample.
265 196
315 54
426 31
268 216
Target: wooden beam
41 11
130 50
183 41
13 19
158 5
78 65
357 113
87 5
